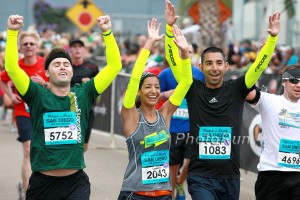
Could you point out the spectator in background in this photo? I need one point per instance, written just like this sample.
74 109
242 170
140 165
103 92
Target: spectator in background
290 57
46 42
275 65
141 41
195 55
33 65
129 57
250 58
156 61
234 56
83 71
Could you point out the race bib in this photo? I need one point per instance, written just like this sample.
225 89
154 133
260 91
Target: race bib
182 111
155 167
288 155
215 142
60 128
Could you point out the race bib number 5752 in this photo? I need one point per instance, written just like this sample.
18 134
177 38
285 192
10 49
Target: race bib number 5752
60 128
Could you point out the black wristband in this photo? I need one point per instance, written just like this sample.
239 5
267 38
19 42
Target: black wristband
257 96
169 35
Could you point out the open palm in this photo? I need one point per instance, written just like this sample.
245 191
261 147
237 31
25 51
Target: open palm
153 30
274 24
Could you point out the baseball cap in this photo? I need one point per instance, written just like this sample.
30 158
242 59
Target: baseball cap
76 41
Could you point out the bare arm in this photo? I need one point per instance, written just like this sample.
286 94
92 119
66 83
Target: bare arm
129 112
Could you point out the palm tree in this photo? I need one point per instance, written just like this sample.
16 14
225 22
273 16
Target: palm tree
209 14
289 7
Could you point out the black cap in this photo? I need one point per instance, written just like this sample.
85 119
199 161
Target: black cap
76 41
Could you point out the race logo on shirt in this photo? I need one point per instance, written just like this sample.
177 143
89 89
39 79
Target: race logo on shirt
289 119
155 139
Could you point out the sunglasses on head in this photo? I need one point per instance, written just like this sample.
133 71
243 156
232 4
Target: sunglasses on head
28 43
292 80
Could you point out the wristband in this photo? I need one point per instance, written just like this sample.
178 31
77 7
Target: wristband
107 34
170 36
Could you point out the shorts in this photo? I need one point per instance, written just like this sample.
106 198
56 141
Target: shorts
178 149
277 185
90 126
213 189
75 186
24 126
132 196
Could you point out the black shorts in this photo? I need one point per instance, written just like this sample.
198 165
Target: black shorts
178 148
277 185
24 126
75 186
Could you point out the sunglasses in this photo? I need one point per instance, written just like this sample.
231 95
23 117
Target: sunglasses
292 80
28 43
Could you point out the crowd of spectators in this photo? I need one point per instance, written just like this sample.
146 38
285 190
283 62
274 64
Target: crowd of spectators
240 55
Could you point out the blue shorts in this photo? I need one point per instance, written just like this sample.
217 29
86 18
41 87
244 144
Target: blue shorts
213 189
132 196
24 126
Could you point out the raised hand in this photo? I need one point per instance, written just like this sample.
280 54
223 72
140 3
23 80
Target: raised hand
180 40
153 30
153 33
15 22
170 13
274 24
104 23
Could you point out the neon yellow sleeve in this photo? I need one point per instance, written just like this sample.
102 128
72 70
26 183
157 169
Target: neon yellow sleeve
16 74
172 53
184 84
133 85
261 62
105 77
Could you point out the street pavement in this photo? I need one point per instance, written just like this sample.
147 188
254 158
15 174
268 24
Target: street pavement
106 161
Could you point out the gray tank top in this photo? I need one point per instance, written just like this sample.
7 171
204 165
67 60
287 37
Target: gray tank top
148 148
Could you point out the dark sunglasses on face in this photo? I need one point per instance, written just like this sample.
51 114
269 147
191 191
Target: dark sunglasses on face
28 43
292 80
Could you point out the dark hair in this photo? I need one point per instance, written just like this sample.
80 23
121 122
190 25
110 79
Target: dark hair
195 47
212 50
56 53
291 67
144 76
